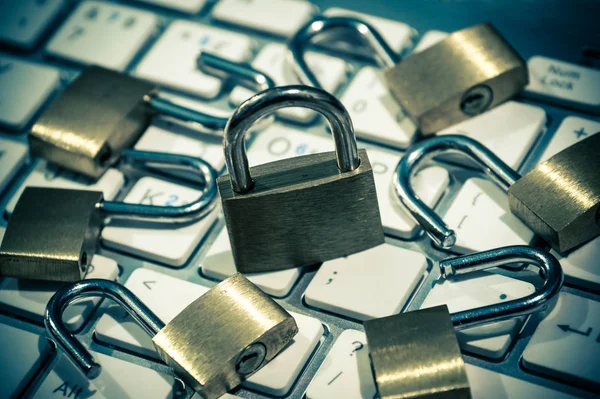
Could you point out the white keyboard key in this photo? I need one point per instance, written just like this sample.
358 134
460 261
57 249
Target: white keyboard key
581 266
397 34
22 22
566 344
118 379
219 264
370 284
346 372
571 130
564 83
24 352
509 131
429 39
172 245
375 114
24 88
31 297
480 216
48 175
118 329
166 136
181 44
486 384
277 377
429 184
475 290
104 34
186 6
13 155
330 72
282 17
2 231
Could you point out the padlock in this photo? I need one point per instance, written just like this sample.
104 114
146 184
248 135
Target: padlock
203 344
303 210
102 112
53 233
416 354
465 74
559 199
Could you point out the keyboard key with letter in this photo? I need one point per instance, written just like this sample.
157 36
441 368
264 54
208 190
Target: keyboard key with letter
281 17
563 83
171 245
186 6
104 34
30 298
475 290
370 284
25 88
219 264
566 344
22 22
181 44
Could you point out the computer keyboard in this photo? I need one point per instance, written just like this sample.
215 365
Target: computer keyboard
44 44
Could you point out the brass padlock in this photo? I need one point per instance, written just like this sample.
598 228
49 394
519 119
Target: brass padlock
467 73
416 354
53 233
102 112
203 344
559 200
303 210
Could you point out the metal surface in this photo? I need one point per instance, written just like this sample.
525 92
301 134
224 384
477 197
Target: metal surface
560 199
415 355
301 211
166 214
64 297
98 115
269 101
242 74
52 235
415 156
322 28
205 345
431 85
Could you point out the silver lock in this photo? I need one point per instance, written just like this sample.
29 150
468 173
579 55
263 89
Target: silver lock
416 354
559 199
203 344
465 74
53 233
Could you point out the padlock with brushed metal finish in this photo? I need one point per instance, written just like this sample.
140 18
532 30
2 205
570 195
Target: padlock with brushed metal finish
467 73
53 233
203 344
559 199
416 354
303 210
103 112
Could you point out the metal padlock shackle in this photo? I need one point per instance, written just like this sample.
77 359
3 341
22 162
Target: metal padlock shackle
271 100
243 74
549 266
502 174
59 333
321 24
175 214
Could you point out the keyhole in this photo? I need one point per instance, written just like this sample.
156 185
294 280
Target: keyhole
476 100
250 359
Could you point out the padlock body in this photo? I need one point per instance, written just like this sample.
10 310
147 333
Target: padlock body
301 211
467 73
204 343
416 355
52 235
560 199
98 115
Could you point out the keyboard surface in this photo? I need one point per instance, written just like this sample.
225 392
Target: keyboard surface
43 46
